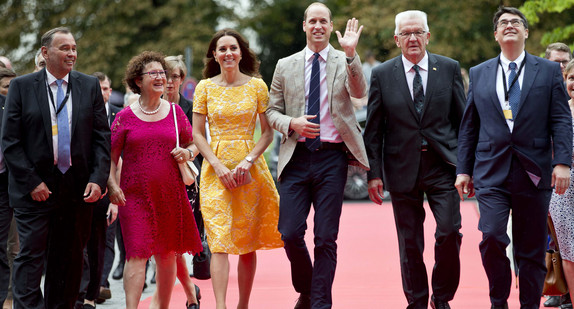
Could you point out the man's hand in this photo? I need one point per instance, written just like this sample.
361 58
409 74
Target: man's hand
376 193
351 38
464 186
40 193
561 178
304 127
92 193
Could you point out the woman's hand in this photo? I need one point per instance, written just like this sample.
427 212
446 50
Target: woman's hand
117 196
225 176
180 155
240 172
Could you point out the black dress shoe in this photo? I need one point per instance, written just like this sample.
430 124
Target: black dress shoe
552 301
566 306
438 304
119 272
304 302
505 306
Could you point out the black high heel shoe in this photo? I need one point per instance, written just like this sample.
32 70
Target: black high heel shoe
197 296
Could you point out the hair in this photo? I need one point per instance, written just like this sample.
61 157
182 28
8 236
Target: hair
320 4
136 66
37 58
48 37
176 62
248 65
510 10
102 77
4 72
569 67
412 14
558 46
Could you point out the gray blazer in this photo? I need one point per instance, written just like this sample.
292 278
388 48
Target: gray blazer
287 101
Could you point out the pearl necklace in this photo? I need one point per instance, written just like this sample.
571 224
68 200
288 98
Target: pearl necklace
146 112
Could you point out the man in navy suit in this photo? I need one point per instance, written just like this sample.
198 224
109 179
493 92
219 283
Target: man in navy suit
411 139
56 142
515 144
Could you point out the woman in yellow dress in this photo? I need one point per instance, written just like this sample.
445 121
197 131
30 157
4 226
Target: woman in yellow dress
239 201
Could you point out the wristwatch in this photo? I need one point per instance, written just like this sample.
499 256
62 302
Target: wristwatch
249 159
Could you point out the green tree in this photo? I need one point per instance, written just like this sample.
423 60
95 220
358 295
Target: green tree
110 32
554 17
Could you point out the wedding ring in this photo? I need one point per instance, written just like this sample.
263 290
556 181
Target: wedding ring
242 173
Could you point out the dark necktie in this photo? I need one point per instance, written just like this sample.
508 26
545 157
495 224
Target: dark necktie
514 92
314 103
63 131
418 92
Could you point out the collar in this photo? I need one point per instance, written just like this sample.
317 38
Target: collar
52 80
323 53
505 62
423 64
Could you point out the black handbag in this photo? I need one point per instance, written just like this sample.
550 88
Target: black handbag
202 261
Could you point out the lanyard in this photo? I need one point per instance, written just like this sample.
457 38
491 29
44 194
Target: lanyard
59 108
513 81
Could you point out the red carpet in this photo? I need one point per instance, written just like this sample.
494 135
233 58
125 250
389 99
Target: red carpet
368 273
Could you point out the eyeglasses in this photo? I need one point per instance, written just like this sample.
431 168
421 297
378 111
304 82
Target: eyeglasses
562 62
418 34
514 22
154 74
174 76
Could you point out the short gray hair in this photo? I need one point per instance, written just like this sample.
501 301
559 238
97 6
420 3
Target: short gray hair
412 14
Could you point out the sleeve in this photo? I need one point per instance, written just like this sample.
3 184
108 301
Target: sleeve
118 132
375 128
200 99
183 127
262 96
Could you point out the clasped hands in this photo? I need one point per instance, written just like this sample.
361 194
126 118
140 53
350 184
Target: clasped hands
232 179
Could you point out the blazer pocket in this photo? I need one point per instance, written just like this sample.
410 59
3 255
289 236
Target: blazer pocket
540 143
391 149
483 146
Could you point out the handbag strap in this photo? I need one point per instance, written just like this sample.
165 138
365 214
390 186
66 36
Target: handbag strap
553 233
175 122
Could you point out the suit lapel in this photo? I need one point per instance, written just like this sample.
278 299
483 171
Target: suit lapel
530 71
331 69
433 72
401 81
76 97
298 69
491 75
41 92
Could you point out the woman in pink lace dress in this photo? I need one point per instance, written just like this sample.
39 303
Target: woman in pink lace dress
155 214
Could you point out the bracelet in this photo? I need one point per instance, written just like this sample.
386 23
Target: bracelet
190 153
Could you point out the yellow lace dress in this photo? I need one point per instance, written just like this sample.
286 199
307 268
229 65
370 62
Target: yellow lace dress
243 219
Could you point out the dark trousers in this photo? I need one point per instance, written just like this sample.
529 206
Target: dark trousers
316 178
95 252
5 220
57 230
436 179
529 207
110 253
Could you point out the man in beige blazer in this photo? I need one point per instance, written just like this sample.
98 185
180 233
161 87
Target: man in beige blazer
310 103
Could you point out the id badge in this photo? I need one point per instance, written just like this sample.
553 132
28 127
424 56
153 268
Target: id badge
507 111
54 130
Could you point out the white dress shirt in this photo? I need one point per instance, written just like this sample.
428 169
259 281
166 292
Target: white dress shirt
51 80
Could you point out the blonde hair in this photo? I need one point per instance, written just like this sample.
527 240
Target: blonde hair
176 62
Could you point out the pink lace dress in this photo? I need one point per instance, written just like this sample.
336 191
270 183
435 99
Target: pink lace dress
157 217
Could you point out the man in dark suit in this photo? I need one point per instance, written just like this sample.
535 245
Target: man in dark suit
416 102
515 144
56 142
5 220
93 286
310 104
